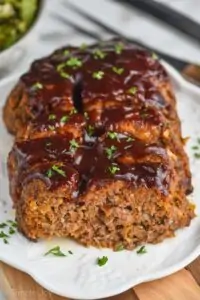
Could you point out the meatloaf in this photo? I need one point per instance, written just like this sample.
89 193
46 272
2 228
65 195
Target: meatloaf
98 153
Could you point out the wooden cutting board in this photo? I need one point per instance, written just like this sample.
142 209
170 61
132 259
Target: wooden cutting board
183 285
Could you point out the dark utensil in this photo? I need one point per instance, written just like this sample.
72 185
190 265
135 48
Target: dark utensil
167 15
191 72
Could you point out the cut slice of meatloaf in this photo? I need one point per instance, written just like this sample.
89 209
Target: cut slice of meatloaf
98 154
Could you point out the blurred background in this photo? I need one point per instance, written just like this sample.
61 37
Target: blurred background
49 24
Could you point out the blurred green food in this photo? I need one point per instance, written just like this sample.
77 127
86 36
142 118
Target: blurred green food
16 16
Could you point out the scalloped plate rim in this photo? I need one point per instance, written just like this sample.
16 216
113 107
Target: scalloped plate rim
131 283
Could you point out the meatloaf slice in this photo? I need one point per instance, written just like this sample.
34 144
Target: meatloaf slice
98 154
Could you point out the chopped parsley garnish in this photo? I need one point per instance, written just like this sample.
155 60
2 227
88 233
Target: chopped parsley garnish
55 251
60 67
11 231
112 135
64 119
64 74
98 75
37 86
12 223
197 155
114 168
154 55
83 46
66 52
73 111
130 139
3 225
119 48
110 151
52 117
70 252
195 147
99 54
90 130
49 173
101 261
118 71
132 90
60 70
51 127
74 62
142 250
86 115
56 169
3 235
73 145
119 248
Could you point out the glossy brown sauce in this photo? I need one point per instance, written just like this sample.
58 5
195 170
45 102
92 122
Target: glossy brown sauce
130 95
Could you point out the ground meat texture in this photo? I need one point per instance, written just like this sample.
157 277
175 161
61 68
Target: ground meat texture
98 153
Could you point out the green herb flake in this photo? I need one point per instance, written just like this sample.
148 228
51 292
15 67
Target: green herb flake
60 67
73 111
142 250
86 115
119 48
90 130
51 127
119 248
154 56
60 70
197 155
11 231
133 90
101 261
12 223
118 71
130 139
110 151
64 75
66 52
195 147
52 117
64 119
5 241
3 225
73 145
98 75
74 62
114 169
198 141
112 135
83 46
3 235
70 252
55 251
99 54
37 86
49 173
58 170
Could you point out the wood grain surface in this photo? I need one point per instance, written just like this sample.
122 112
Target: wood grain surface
183 285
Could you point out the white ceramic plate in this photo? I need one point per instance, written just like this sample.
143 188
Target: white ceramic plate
78 275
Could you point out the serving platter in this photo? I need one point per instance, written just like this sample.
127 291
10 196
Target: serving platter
78 275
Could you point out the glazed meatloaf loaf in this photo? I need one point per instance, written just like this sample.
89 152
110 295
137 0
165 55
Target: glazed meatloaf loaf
98 154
